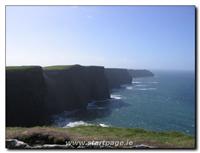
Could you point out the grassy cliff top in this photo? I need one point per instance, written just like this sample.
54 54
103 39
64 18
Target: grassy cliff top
56 67
13 68
59 67
89 133
66 67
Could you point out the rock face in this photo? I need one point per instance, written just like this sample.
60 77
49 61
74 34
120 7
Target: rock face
25 92
117 77
74 87
140 73
32 94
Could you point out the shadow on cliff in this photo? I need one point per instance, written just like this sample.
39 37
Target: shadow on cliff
74 87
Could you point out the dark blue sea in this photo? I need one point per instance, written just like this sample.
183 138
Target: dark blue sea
165 102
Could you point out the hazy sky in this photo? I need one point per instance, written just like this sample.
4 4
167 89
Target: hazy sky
112 36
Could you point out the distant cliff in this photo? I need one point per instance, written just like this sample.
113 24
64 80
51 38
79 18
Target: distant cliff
140 73
117 77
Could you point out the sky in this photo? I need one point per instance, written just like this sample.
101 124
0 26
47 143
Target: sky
137 37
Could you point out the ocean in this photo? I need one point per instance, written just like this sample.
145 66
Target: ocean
165 102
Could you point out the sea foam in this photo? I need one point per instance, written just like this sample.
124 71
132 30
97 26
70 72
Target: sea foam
146 89
82 123
136 82
103 125
76 123
115 96
141 85
129 88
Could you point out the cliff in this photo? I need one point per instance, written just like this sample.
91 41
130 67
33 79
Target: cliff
32 94
140 73
73 87
25 92
116 77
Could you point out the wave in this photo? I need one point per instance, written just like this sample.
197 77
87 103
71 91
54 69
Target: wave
141 85
76 123
146 89
62 118
136 82
103 125
82 123
115 96
61 122
129 88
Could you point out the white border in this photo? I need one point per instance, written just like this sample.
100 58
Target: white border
101 2
69 2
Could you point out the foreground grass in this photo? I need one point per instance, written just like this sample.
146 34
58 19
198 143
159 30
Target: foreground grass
89 133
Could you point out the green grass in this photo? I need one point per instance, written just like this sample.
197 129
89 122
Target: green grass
58 67
138 136
13 68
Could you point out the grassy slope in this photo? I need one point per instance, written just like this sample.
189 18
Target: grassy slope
138 136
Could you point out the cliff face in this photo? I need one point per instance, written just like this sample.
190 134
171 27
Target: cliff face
25 92
74 87
140 73
32 94
117 77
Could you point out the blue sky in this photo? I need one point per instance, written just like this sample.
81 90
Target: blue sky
140 37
